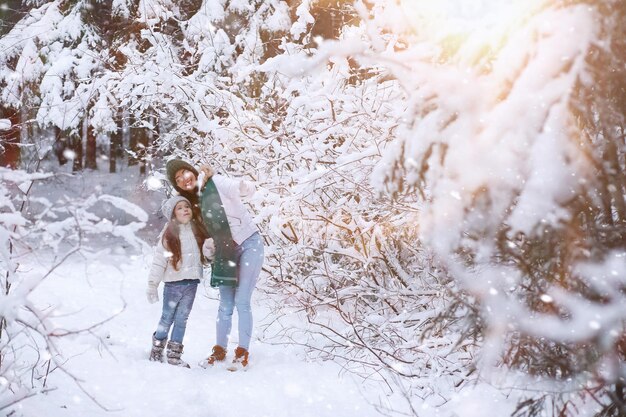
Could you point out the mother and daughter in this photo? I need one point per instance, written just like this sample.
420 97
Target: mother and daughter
206 221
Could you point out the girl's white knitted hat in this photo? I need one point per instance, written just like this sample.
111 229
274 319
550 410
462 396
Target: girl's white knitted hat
170 204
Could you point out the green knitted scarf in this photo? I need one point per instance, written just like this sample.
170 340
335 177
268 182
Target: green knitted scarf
224 267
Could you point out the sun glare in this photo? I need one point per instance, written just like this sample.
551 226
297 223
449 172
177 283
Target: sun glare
466 28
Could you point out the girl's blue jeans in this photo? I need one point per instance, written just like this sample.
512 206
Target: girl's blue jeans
249 260
178 299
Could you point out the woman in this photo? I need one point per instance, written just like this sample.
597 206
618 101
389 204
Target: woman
238 250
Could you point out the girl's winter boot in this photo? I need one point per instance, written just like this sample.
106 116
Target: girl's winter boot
156 354
174 350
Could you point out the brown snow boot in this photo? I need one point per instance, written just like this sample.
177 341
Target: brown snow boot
174 350
218 354
240 361
156 354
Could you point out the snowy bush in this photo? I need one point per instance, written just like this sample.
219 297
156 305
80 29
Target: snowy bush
28 338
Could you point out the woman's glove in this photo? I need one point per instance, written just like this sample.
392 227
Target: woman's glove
206 172
246 189
152 295
208 249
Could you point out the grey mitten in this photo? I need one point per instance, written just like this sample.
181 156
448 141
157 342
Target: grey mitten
152 295
208 249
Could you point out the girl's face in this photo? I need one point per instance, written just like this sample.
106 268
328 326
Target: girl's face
182 212
185 179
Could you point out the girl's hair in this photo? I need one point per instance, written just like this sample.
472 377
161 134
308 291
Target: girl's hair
171 240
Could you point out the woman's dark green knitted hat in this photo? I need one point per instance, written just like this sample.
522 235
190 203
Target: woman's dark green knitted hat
175 165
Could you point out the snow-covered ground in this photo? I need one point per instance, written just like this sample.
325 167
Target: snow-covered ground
111 360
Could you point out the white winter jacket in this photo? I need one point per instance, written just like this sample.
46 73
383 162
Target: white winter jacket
190 265
239 219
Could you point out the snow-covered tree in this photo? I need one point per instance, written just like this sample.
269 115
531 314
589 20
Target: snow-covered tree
514 144
48 66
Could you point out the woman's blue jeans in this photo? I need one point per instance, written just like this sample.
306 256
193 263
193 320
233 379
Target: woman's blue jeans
178 299
249 260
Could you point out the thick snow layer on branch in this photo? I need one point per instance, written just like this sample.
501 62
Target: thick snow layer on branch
304 19
126 206
506 132
19 176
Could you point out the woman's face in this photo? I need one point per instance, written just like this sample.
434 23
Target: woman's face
182 212
185 179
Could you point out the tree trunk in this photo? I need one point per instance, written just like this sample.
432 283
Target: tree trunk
142 145
60 146
139 139
90 151
618 180
75 143
115 146
132 142
149 139
10 139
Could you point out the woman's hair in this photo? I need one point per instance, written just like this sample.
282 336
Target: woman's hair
196 210
171 240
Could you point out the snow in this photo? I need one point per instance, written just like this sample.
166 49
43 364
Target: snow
20 176
111 360
396 166
304 18
279 20
123 205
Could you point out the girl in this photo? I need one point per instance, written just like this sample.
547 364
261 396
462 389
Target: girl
178 263
238 250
